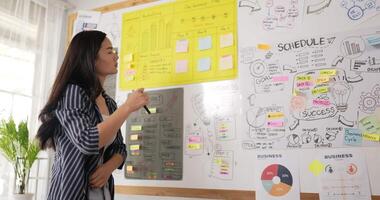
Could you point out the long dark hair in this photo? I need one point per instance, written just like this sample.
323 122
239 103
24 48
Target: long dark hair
78 67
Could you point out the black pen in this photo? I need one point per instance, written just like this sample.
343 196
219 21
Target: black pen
147 110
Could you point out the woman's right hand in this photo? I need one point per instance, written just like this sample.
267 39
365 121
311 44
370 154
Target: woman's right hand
136 100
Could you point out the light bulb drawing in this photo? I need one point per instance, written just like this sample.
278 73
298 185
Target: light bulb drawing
341 92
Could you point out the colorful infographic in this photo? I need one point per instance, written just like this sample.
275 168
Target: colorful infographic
277 180
181 42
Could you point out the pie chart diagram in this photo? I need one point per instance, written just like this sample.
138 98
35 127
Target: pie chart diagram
277 180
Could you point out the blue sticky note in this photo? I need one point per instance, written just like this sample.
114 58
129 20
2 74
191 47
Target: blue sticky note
204 43
352 136
204 64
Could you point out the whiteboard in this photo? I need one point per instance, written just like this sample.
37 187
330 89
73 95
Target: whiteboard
261 28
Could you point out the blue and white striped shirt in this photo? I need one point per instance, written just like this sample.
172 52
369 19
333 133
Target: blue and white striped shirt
77 153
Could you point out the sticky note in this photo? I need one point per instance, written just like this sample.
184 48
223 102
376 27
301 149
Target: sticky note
194 146
130 168
226 40
316 167
181 66
182 46
373 40
130 72
136 128
304 78
352 136
370 124
371 137
328 72
280 78
275 124
153 110
275 115
226 62
320 90
130 78
321 102
128 58
134 147
323 79
204 64
204 43
263 46
194 139
134 137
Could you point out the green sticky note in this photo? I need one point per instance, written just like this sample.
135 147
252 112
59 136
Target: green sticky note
136 128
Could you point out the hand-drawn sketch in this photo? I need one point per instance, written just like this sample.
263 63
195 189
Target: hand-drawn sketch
222 165
370 101
267 77
356 8
282 14
317 7
253 5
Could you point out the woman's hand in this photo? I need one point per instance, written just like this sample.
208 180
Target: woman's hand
100 177
136 100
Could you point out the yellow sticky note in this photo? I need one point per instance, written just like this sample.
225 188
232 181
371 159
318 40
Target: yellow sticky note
128 58
328 72
371 137
320 90
316 167
264 46
304 78
275 115
323 79
194 146
129 168
136 128
134 147
153 110
134 137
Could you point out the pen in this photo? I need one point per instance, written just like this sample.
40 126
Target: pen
147 110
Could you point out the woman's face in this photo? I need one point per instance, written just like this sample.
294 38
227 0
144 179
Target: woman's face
106 62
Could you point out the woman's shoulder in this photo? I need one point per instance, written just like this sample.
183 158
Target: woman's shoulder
74 93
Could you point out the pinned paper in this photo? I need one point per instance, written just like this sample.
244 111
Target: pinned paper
328 72
371 137
316 167
226 40
264 46
204 64
182 46
226 62
204 43
194 146
352 136
134 147
136 128
134 137
181 66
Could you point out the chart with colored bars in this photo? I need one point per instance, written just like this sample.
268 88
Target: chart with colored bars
181 42
277 180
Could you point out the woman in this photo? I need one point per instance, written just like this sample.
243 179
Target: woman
81 122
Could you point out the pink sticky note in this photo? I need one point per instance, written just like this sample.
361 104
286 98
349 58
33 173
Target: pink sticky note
226 40
275 124
181 66
194 139
182 46
226 62
280 78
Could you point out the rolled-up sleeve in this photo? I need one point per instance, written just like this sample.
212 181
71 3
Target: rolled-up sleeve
73 115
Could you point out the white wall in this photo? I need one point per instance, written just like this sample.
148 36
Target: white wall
91 4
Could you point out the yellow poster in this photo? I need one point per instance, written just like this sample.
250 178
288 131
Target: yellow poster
182 42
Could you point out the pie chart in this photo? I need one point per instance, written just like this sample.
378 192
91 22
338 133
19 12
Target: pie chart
277 180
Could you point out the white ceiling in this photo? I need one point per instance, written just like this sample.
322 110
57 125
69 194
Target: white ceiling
90 4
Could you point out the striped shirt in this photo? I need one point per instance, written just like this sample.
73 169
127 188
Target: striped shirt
77 153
